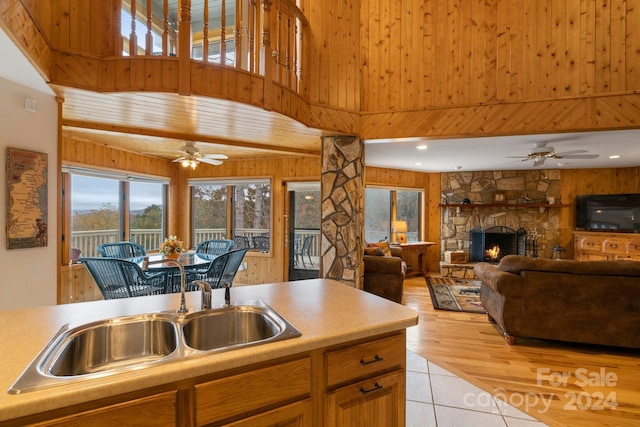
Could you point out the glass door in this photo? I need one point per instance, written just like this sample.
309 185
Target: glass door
303 234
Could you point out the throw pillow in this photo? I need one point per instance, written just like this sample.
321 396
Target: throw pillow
384 245
373 251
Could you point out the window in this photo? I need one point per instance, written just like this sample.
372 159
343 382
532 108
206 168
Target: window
238 210
109 207
385 206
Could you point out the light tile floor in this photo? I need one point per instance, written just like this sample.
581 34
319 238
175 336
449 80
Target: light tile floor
436 397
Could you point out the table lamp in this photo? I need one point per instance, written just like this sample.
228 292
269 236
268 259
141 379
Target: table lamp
400 227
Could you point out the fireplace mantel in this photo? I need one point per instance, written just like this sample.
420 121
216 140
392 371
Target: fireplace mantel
503 205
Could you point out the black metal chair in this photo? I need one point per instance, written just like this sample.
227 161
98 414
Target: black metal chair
241 242
303 249
119 278
214 247
261 242
222 270
121 250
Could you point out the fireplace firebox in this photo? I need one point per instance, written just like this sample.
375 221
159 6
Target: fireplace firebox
492 244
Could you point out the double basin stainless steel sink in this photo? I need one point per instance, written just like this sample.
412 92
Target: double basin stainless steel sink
106 347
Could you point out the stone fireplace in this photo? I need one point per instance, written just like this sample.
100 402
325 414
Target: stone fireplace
470 207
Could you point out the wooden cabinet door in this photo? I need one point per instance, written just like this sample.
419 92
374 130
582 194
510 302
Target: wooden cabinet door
154 411
233 396
295 415
376 402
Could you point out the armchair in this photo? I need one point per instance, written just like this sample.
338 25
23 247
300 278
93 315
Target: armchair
118 278
384 275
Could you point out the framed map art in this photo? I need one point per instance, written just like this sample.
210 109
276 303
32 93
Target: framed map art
26 199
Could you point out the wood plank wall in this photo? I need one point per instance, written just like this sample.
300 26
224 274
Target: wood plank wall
420 54
489 67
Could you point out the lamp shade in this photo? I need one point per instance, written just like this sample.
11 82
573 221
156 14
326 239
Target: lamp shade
400 226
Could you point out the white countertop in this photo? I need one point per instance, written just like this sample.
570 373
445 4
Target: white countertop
325 311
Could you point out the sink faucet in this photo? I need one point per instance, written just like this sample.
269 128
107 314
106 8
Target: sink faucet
227 294
183 303
206 294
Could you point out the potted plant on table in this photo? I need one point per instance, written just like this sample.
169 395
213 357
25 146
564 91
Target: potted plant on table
172 247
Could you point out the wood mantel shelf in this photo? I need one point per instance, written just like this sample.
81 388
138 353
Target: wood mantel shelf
503 205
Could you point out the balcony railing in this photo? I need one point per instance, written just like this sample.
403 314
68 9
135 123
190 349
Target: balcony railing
262 37
150 239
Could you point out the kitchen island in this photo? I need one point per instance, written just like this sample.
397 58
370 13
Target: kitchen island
348 364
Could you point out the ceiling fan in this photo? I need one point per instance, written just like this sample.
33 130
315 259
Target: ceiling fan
191 156
541 152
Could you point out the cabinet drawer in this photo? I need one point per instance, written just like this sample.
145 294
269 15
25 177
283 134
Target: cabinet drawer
615 246
246 392
633 248
365 359
157 410
591 244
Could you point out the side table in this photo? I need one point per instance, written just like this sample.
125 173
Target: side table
419 248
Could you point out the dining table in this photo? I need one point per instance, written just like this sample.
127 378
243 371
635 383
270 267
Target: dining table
190 261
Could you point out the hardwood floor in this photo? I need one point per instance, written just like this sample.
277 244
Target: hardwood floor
560 384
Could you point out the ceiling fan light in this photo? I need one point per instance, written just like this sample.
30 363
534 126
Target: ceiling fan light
185 163
193 164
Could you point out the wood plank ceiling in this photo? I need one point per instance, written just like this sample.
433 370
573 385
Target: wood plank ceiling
159 123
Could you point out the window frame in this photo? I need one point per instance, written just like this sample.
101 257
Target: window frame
124 194
230 183
393 207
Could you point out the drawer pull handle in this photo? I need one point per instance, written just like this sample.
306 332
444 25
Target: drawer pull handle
376 387
613 246
375 359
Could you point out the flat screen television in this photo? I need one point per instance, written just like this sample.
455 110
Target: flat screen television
619 213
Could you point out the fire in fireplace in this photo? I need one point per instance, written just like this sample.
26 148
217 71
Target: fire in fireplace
493 253
492 244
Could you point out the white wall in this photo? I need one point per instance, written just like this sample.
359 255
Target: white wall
28 276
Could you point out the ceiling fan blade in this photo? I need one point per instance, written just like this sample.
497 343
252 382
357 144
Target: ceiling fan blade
568 153
179 159
539 161
216 156
210 161
518 157
579 156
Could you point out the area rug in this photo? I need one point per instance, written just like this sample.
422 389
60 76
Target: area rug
453 294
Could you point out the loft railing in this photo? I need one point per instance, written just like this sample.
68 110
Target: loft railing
263 37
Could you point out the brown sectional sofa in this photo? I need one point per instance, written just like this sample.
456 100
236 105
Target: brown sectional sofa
384 275
595 302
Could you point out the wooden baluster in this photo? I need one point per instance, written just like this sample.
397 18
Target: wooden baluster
165 28
184 48
238 35
148 49
223 33
278 44
251 25
133 42
205 33
296 53
289 54
266 58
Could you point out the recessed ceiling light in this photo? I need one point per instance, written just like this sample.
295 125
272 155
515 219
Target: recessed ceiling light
422 147
615 156
419 164
458 168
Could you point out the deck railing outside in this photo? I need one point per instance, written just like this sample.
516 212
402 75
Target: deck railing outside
150 239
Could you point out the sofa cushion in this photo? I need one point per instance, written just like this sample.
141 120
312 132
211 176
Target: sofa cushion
518 263
382 245
373 251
